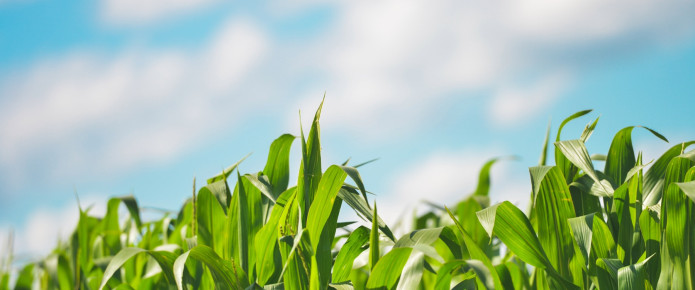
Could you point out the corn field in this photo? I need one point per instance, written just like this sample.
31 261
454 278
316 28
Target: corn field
627 226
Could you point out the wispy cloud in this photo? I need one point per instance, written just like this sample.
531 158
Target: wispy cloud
392 63
388 68
91 113
510 105
133 12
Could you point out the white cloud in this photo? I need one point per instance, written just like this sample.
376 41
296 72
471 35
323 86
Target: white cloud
510 105
87 113
393 62
133 12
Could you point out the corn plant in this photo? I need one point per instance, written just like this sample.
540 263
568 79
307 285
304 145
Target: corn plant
628 226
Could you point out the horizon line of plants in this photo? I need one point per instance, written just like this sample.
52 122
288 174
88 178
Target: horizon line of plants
628 226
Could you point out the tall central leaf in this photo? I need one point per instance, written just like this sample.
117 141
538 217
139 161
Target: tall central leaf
310 169
553 209
322 219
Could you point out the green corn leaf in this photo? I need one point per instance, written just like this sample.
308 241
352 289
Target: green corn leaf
322 206
466 210
266 241
588 186
323 255
352 248
602 243
364 163
255 216
25 280
674 217
469 281
422 239
443 280
387 271
111 222
58 267
568 170
621 155
310 169
83 250
484 273
411 276
607 273
259 183
483 188
584 196
588 130
568 119
112 230
582 233
314 280
277 168
544 152
632 277
553 209
298 255
164 259
505 276
237 225
520 278
598 157
476 253
688 188
651 233
262 183
512 227
654 177
226 274
5 281
355 176
277 286
323 216
576 152
360 206
289 219
220 190
637 169
621 208
227 171
211 219
374 241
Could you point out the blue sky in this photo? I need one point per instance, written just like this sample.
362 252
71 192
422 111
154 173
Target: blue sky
110 97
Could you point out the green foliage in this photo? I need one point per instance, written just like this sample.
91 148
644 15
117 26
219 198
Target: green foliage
628 226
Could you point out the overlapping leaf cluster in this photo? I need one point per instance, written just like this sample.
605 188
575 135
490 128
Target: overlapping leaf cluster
628 226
